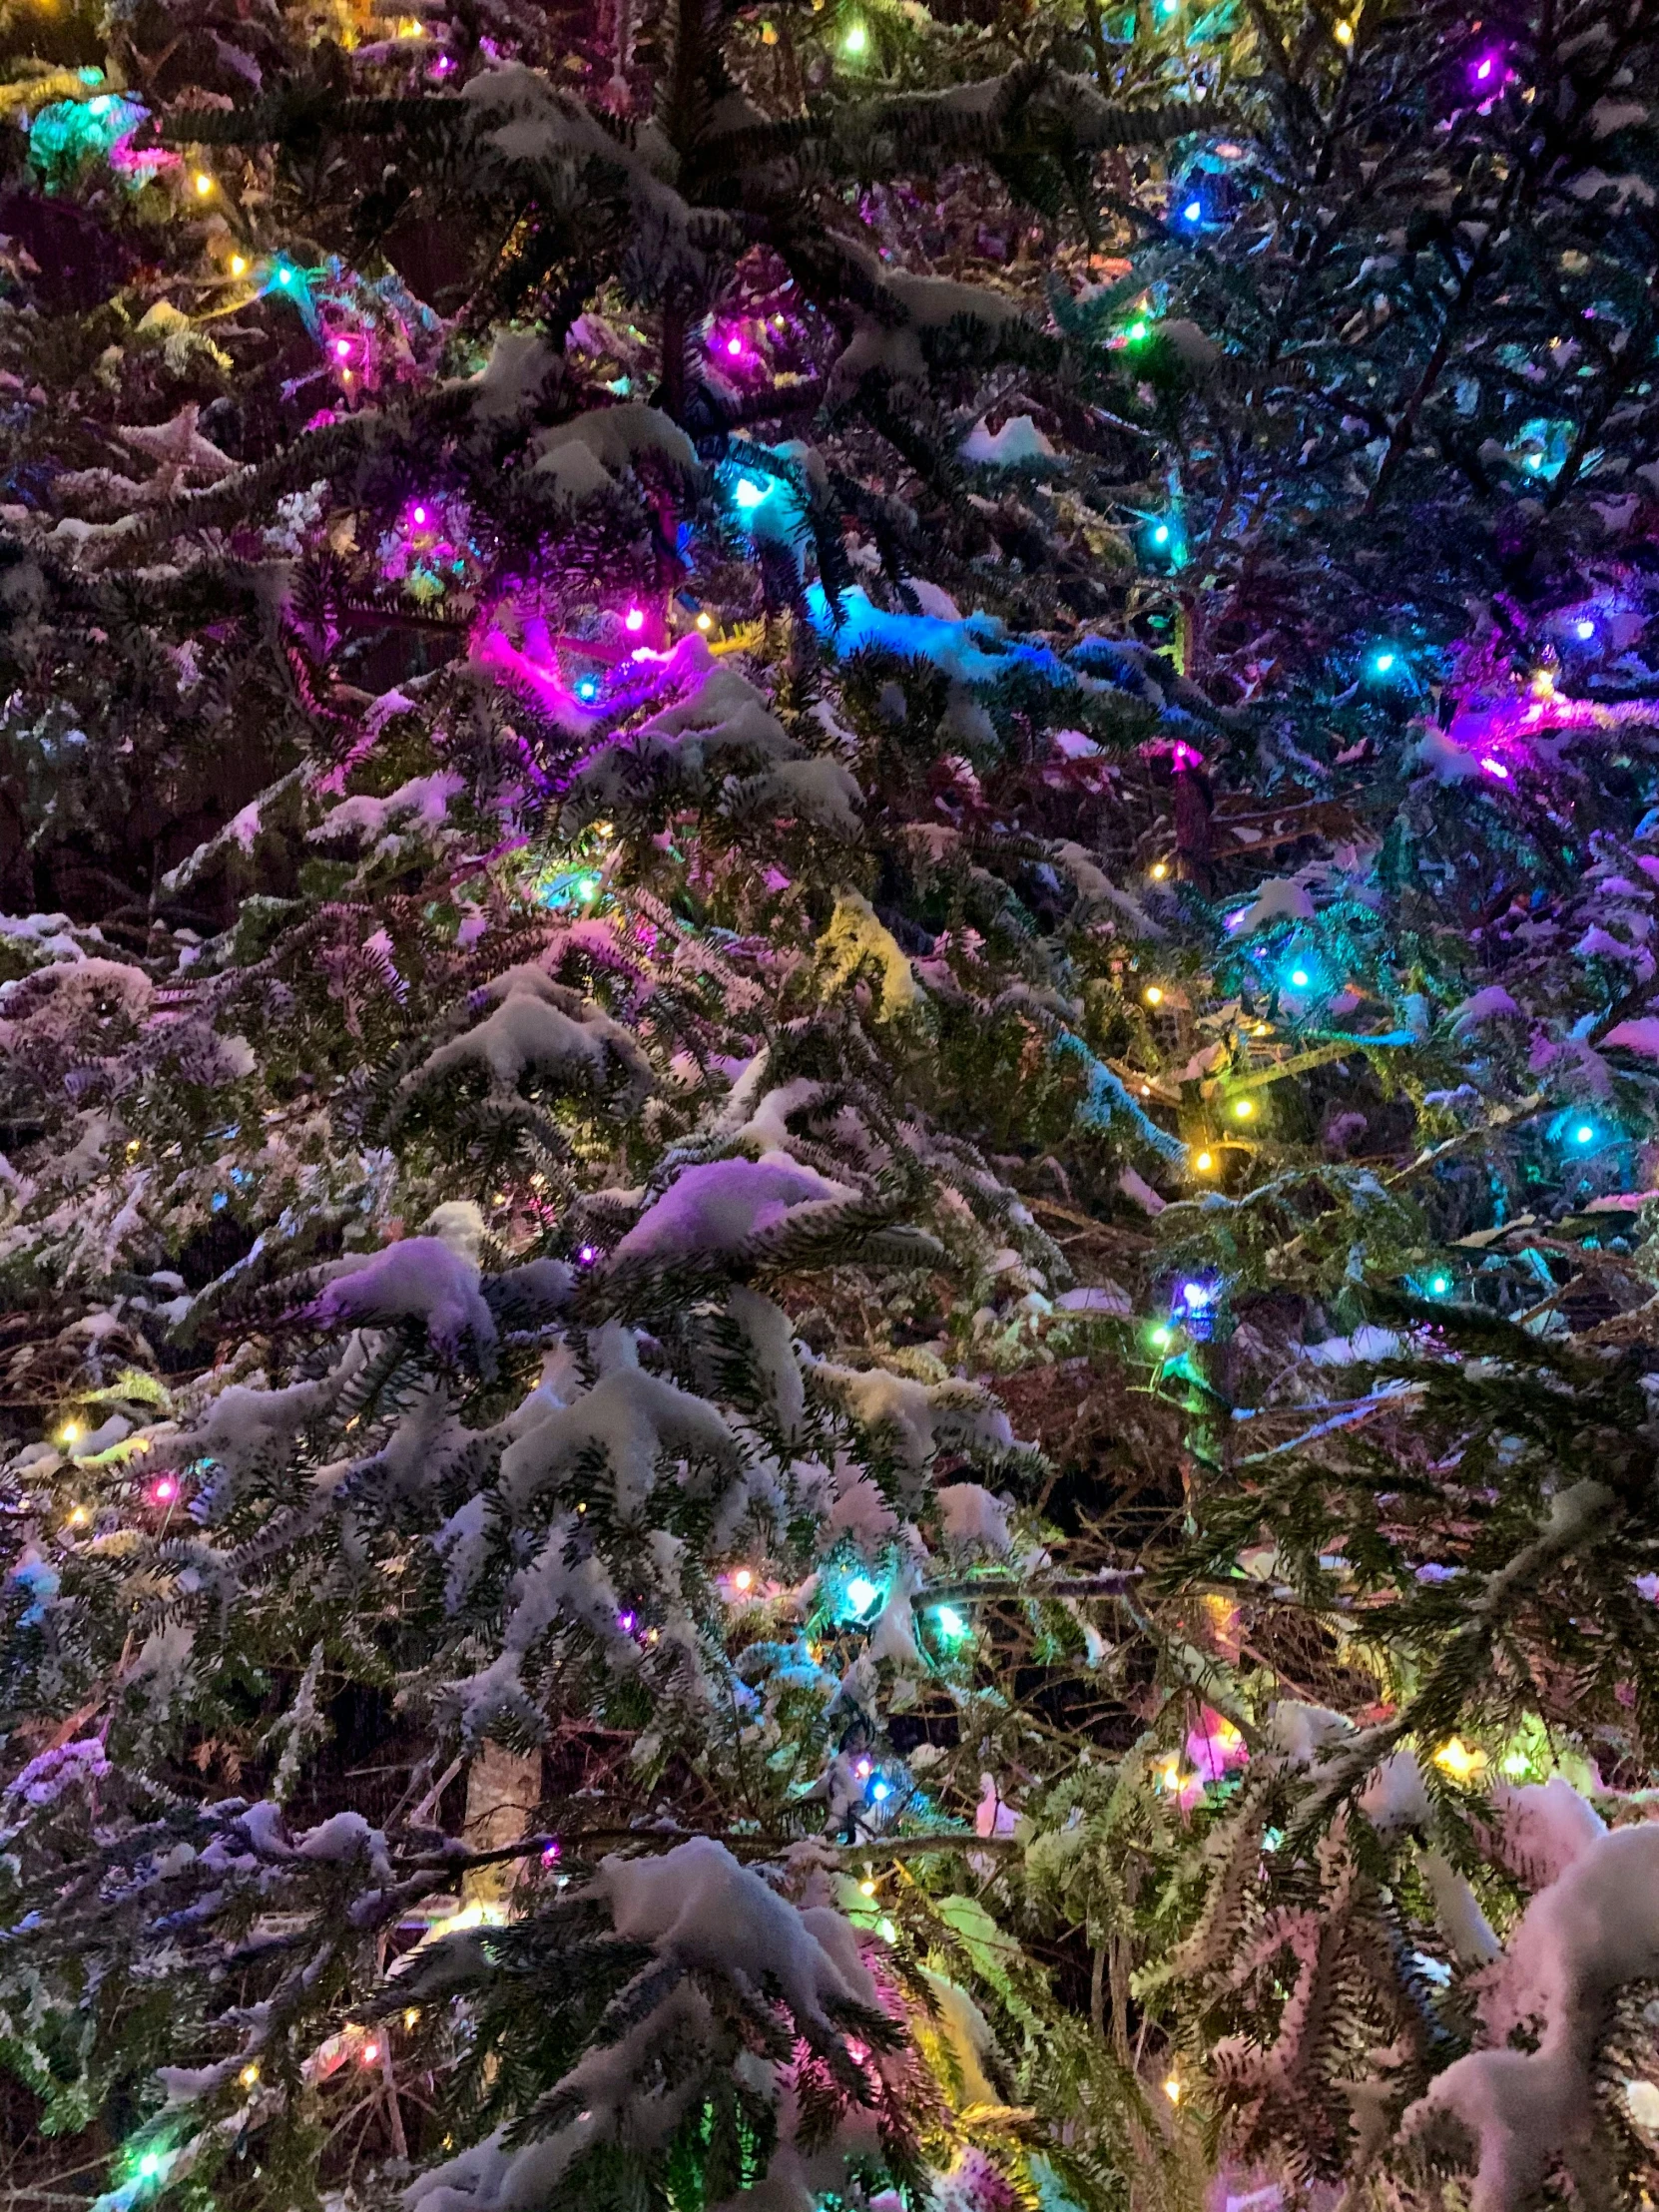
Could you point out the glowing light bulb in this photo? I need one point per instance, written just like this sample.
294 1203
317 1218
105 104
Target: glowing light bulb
1172 2089
371 2053
1299 976
861 1770
247 2077
165 1490
744 1580
411 2015
866 1889
285 276
1483 69
1458 1760
150 2165
881 1791
705 622
78 1516
420 517
1158 871
1382 663
552 1851
70 1433
1585 629
747 493
1193 212
587 688
1134 332
1243 1108
1160 1337
734 347
857 40
1160 535
203 184
950 1622
1196 1295
861 1593
1583 1134
1343 33
1494 768
634 620
239 265
342 348
1439 1284
1204 1163
1154 996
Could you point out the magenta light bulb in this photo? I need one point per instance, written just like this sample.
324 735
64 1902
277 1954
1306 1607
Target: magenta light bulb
734 347
342 347
420 514
634 619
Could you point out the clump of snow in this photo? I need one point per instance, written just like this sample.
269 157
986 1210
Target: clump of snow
1019 444
1491 1004
539 1026
719 1206
1280 899
423 799
971 1519
1639 1035
1532 2112
422 1277
920 1418
593 451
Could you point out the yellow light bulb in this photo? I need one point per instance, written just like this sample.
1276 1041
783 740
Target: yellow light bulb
1159 869
412 2015
70 1433
239 265
743 1579
247 2077
1204 1163
1172 2089
1154 996
705 622
203 184
1344 34
1243 1108
866 1889
1458 1760
78 1516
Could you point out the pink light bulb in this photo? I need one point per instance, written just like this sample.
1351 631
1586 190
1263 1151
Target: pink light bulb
734 347
1484 69
342 347
634 619
420 516
166 1490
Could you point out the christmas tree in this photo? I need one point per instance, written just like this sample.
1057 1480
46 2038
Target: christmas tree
829 1053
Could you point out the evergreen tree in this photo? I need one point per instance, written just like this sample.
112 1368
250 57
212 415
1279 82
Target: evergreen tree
813 1403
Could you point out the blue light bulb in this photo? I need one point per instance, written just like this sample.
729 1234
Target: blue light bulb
1585 629
748 493
1299 978
1160 536
1382 663
1583 1134
1193 212
879 1790
586 688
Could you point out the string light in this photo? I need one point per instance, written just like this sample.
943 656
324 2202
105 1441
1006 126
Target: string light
411 2015
70 1433
1383 663
1585 629
587 688
164 1489
747 493
1158 871
1204 1163
634 620
743 1579
1458 1760
705 621
1344 34
1299 978
203 184
1193 212
1583 1134
249 2076
78 1516
734 347
1154 996
861 1593
857 40
950 1622
1172 2089
866 1888
239 265
1243 1108
371 2053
